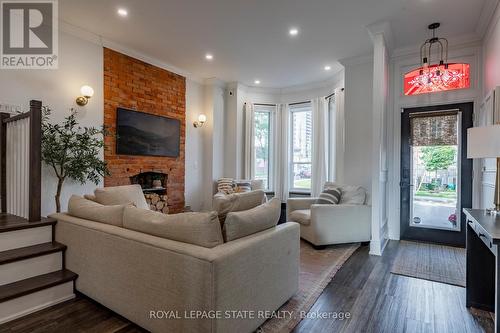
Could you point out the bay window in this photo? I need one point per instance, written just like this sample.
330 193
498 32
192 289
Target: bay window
300 147
263 143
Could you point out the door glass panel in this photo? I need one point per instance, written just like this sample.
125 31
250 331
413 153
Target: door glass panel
435 172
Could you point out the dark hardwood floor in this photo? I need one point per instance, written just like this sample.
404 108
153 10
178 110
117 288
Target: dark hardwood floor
78 315
376 300
379 301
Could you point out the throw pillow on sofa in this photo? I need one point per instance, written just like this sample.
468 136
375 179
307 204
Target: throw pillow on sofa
330 196
90 210
120 195
201 229
224 204
248 222
225 185
351 194
242 186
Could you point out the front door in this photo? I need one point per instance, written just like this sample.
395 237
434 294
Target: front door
436 176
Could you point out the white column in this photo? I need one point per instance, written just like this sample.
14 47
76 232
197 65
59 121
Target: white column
381 36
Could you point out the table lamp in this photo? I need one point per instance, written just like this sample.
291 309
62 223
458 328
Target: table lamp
484 142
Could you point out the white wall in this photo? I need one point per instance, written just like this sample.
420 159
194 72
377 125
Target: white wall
194 191
358 123
213 138
80 62
491 68
491 54
234 128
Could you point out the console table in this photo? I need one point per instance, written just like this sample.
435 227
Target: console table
483 262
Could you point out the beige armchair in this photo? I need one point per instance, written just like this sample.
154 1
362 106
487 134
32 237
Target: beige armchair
321 225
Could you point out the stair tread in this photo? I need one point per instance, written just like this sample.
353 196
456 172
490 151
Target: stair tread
30 252
9 222
34 284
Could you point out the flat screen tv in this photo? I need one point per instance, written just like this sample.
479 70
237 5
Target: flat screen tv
140 133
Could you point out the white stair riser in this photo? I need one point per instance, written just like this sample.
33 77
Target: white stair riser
27 268
39 300
26 237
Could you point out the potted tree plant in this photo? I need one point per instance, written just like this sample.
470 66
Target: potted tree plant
72 151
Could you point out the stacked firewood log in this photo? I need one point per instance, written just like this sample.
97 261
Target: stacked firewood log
157 202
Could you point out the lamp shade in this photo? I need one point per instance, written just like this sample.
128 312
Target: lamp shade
483 142
202 118
87 91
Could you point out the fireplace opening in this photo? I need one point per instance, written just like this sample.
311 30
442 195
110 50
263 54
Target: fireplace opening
154 187
151 182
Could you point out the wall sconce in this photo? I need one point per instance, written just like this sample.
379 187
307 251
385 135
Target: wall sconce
201 120
87 92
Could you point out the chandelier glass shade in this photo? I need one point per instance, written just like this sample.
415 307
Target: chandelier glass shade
439 76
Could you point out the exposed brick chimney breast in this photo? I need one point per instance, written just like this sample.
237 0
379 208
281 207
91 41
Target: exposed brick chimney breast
134 84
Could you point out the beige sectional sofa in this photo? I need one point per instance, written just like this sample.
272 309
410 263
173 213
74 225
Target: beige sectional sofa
160 283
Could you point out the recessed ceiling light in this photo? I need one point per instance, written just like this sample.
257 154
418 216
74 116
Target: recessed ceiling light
122 12
293 31
257 82
209 56
327 68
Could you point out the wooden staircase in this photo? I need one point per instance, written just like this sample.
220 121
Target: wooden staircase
32 268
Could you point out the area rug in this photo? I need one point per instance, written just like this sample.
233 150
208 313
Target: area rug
317 268
432 262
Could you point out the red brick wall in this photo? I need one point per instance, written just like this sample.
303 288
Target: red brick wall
133 84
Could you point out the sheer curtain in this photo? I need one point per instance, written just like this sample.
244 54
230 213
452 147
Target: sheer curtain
338 141
320 147
281 152
249 141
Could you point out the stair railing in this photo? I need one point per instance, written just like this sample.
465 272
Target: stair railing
21 162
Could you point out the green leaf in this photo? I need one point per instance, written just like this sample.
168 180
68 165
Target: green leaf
73 151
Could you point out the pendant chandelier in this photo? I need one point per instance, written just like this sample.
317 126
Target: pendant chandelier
436 75
426 51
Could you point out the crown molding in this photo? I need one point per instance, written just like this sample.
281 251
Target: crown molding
99 40
493 22
470 40
81 33
382 28
358 60
334 80
486 18
215 82
337 77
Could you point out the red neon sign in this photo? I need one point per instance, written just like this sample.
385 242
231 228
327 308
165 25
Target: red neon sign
437 78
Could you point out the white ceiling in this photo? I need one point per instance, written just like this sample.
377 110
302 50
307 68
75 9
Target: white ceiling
249 38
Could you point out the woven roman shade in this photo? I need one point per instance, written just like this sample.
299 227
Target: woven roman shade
434 129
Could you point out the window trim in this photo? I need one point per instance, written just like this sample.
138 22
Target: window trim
298 108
